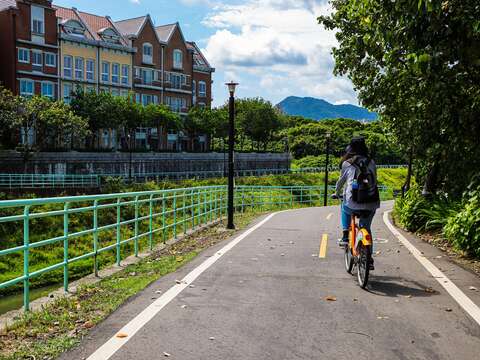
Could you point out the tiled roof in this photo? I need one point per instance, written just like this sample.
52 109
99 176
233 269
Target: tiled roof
130 26
198 57
5 4
164 32
95 23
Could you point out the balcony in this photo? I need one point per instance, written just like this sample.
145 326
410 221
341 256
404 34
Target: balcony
147 77
178 81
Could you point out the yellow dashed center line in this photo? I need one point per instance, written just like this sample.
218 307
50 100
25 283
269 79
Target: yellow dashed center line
323 246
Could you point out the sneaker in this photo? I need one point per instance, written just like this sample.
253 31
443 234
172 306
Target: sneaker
342 242
372 266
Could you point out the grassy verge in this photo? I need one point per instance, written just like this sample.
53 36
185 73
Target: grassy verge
63 323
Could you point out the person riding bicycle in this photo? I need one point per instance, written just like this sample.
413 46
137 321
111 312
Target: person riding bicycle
355 160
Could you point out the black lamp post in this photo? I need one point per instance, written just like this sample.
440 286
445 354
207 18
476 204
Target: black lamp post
327 140
231 144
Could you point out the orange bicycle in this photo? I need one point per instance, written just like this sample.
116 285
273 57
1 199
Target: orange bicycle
358 252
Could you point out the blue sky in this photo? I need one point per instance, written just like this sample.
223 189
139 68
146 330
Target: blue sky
273 48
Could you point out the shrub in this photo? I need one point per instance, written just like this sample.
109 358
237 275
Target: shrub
463 229
416 213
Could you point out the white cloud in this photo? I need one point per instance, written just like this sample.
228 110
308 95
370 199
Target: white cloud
135 1
280 45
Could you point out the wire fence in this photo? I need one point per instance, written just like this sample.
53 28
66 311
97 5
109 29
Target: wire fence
52 181
53 238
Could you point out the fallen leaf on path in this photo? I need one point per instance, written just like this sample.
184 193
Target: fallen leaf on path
438 257
192 286
331 298
166 354
409 296
211 338
429 290
448 310
282 254
122 335
88 325
472 288
158 292
355 299
184 306
378 252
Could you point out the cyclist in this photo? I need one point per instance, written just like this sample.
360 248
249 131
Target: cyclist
356 152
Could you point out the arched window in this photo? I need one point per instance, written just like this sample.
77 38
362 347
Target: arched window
177 59
147 53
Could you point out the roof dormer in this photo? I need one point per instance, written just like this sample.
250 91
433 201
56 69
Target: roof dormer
109 35
73 27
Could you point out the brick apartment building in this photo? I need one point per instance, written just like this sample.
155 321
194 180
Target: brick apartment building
52 50
29 43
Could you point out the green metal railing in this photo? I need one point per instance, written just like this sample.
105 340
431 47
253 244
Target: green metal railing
35 181
42 236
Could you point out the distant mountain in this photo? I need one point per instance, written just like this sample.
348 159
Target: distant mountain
318 109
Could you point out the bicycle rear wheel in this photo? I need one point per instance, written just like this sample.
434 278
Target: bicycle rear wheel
348 259
363 266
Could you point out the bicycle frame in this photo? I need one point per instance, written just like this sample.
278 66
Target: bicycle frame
358 234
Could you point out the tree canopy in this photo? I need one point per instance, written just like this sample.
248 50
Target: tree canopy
417 63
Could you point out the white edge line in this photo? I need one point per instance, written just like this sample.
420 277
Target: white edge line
463 300
107 350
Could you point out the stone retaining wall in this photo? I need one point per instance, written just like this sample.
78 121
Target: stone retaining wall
142 163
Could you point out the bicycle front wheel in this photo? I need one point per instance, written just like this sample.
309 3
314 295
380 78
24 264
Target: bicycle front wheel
363 266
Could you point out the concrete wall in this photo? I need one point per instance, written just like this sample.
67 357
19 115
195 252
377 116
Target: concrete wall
142 163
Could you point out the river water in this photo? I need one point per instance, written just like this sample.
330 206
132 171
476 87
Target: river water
15 301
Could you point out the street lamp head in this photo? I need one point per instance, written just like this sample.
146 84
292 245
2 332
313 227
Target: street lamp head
231 87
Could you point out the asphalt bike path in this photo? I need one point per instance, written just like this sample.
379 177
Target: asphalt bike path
282 292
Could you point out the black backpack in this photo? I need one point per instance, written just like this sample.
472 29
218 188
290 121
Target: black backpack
366 190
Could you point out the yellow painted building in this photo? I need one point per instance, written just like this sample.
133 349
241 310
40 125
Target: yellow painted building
94 56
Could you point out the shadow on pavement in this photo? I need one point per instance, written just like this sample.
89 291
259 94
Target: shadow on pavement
393 286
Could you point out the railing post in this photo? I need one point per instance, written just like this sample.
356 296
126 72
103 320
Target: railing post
164 234
136 227
26 256
150 223
95 237
205 214
199 206
184 210
118 231
175 215
65 246
192 211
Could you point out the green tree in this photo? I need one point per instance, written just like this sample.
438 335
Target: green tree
9 112
163 119
101 111
258 120
417 64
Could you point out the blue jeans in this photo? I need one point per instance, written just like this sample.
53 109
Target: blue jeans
365 222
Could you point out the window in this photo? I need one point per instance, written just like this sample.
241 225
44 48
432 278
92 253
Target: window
37 15
67 66
23 55
176 104
202 88
147 53
115 92
90 72
177 59
115 73
37 58
125 74
79 68
105 71
50 59
177 80
47 89
67 93
194 87
147 99
147 76
26 87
